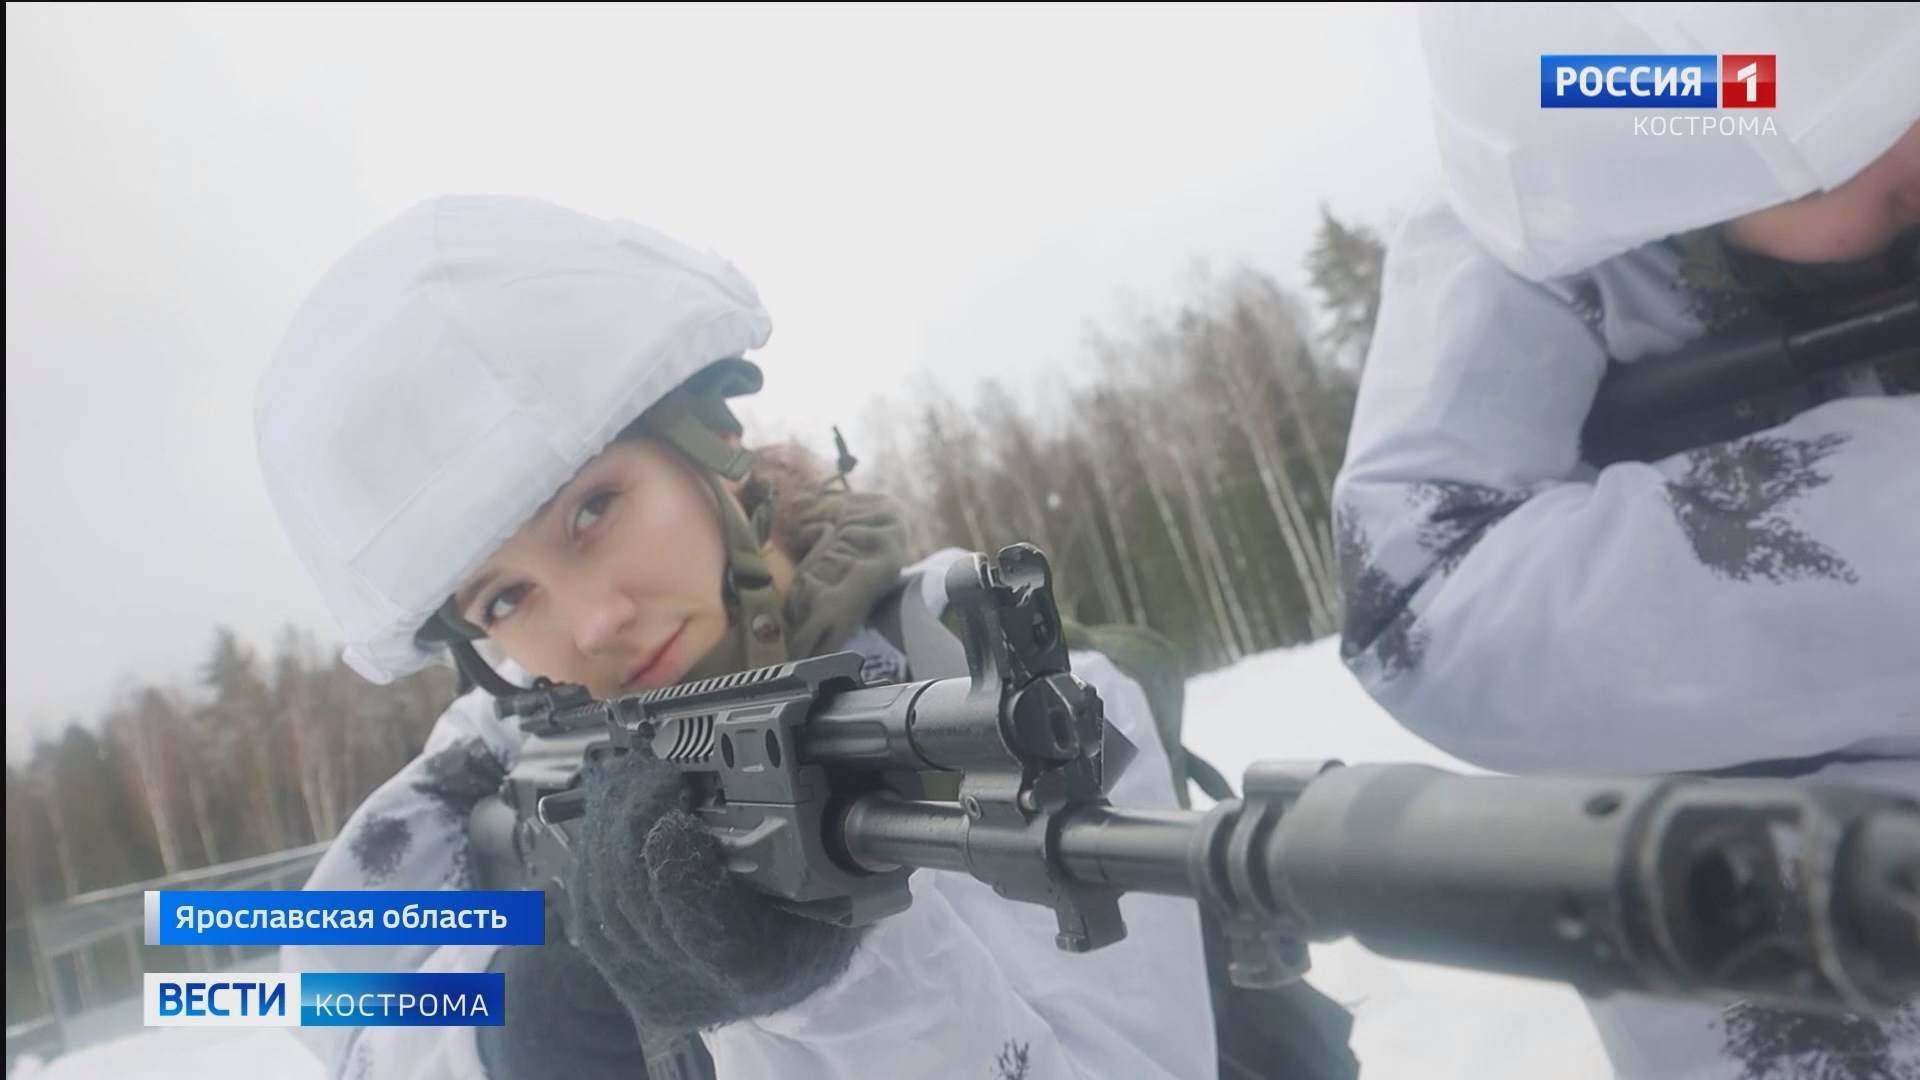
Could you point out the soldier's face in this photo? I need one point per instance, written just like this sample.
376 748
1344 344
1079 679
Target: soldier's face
1855 220
616 583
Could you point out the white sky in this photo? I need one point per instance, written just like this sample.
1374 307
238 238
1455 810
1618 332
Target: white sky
924 197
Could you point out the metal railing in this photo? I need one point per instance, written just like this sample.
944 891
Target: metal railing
90 951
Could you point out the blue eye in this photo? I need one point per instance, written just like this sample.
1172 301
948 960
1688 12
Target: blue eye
502 604
591 509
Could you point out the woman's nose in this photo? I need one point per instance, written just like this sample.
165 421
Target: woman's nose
603 621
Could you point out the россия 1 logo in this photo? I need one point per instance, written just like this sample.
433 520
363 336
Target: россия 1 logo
1703 81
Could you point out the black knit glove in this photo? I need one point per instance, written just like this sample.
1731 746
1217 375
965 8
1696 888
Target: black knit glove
682 943
561 1020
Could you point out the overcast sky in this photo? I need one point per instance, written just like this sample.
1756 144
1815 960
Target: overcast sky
923 196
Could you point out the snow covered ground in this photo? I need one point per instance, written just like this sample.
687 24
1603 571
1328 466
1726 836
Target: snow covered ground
1412 1020
183 1053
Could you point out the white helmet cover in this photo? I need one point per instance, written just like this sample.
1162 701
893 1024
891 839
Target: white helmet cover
1554 191
451 373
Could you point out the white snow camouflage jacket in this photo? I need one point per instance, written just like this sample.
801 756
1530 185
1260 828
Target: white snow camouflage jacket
1754 602
1750 601
963 984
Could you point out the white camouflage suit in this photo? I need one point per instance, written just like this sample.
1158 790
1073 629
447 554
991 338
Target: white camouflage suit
962 984
446 376
1756 600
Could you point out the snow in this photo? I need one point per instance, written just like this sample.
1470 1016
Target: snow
185 1053
1416 1020
1411 1020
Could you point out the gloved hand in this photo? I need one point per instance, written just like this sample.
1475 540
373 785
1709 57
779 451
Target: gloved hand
682 943
561 1020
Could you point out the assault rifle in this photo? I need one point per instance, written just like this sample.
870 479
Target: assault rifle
827 793
1723 388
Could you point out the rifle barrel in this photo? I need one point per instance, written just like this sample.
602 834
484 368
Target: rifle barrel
1716 889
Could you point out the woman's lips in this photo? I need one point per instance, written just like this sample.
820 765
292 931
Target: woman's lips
653 665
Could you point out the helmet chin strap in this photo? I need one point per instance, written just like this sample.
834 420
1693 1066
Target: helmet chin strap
756 633
478 672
